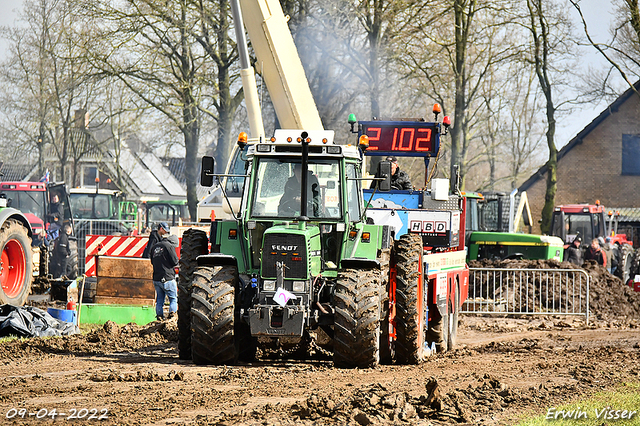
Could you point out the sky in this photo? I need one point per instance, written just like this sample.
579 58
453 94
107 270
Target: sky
598 14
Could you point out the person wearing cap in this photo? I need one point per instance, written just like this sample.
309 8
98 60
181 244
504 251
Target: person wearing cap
573 253
594 252
155 236
399 179
164 260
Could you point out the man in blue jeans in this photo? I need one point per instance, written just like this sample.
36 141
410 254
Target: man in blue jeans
164 260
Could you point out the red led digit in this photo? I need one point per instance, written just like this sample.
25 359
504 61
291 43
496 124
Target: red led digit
395 139
403 132
373 140
424 144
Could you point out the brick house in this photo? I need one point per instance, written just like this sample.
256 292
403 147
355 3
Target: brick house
602 162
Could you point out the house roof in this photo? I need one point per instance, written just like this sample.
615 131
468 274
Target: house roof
15 172
627 214
613 107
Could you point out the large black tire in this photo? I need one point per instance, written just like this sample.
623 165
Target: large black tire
410 315
194 244
625 261
72 261
16 263
453 320
357 319
212 315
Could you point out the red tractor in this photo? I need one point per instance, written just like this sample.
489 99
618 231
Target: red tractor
33 200
591 221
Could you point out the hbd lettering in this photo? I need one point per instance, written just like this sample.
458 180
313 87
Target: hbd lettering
607 413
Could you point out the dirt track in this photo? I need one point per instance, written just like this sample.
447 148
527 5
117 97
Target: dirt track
503 369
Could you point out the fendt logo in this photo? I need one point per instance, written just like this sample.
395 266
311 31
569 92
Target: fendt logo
278 247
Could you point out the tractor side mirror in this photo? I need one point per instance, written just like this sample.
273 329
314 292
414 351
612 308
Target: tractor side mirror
206 175
384 171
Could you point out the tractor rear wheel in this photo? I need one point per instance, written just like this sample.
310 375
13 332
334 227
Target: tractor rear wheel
625 260
410 314
194 243
357 319
16 263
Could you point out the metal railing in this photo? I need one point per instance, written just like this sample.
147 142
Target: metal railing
528 292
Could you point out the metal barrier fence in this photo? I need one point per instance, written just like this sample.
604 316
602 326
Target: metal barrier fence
528 292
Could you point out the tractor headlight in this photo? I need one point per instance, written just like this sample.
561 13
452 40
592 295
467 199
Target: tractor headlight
268 285
299 286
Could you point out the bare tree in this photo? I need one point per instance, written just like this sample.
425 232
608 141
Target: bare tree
551 42
622 51
47 80
451 66
163 54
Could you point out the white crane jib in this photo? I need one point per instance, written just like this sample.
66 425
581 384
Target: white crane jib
280 65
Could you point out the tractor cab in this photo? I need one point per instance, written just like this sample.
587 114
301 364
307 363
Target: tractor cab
584 220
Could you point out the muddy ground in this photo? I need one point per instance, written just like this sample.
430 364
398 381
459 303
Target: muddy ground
504 368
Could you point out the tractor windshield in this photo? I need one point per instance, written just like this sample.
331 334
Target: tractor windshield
278 188
575 224
90 206
26 201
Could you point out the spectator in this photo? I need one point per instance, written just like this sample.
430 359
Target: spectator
155 236
594 252
54 218
164 260
399 179
607 248
61 253
573 253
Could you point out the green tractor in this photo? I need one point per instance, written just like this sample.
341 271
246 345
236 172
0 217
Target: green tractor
285 269
17 262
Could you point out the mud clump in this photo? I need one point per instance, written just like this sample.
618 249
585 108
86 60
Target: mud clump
109 338
609 298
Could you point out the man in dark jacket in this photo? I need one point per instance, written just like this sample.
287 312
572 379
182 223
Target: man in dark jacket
164 260
154 237
399 179
594 252
61 252
573 253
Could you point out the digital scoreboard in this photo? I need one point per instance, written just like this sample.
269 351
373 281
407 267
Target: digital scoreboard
402 138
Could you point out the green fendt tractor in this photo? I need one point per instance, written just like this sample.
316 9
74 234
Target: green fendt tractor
284 267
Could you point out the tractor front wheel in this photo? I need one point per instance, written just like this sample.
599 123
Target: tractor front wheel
357 319
16 263
212 315
194 243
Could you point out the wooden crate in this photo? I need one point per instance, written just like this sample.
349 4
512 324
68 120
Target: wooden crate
124 279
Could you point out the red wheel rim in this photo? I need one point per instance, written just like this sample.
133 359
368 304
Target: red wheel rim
14 265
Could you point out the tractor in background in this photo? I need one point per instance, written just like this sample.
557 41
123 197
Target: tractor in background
33 200
591 221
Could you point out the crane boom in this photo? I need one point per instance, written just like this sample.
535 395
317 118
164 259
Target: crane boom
280 65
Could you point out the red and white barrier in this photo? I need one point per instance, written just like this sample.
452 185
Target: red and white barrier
110 245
